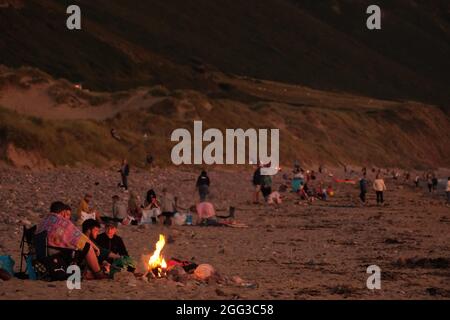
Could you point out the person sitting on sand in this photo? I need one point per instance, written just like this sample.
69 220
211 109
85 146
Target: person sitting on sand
321 192
90 229
111 241
62 233
206 214
297 180
303 192
274 198
202 185
134 207
151 209
168 207
379 187
85 212
119 209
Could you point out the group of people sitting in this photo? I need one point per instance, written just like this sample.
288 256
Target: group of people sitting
301 183
163 209
100 251
80 231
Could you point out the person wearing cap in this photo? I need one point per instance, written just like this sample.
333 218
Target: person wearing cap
111 241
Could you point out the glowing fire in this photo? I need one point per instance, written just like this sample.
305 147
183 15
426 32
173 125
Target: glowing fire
156 263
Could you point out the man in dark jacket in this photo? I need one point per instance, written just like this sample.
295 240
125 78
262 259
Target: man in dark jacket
203 185
257 181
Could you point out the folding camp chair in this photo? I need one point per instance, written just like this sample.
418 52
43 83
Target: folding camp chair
52 262
35 251
26 247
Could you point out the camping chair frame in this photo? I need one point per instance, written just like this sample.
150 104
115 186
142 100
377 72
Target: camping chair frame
26 245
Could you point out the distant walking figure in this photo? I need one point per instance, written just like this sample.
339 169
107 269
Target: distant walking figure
124 173
379 187
363 189
430 183
416 181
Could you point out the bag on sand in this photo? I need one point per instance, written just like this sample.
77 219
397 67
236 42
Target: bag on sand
86 216
52 268
123 264
179 219
7 264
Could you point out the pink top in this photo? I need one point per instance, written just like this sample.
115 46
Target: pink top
205 210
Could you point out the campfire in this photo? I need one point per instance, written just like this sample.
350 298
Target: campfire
157 266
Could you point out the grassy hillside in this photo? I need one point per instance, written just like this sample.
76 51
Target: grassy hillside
322 44
407 136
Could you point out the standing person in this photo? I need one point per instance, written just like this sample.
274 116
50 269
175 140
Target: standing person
407 176
363 189
416 181
257 180
124 173
202 185
447 191
434 181
266 186
430 182
379 187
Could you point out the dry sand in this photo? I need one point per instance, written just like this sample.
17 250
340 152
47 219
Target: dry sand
296 251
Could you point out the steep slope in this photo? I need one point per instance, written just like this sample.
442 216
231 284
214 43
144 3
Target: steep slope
315 126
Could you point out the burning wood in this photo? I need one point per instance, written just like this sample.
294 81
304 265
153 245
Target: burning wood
157 266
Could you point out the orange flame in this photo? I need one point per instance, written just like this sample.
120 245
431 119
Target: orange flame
156 262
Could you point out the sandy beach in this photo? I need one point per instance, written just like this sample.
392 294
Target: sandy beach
294 251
